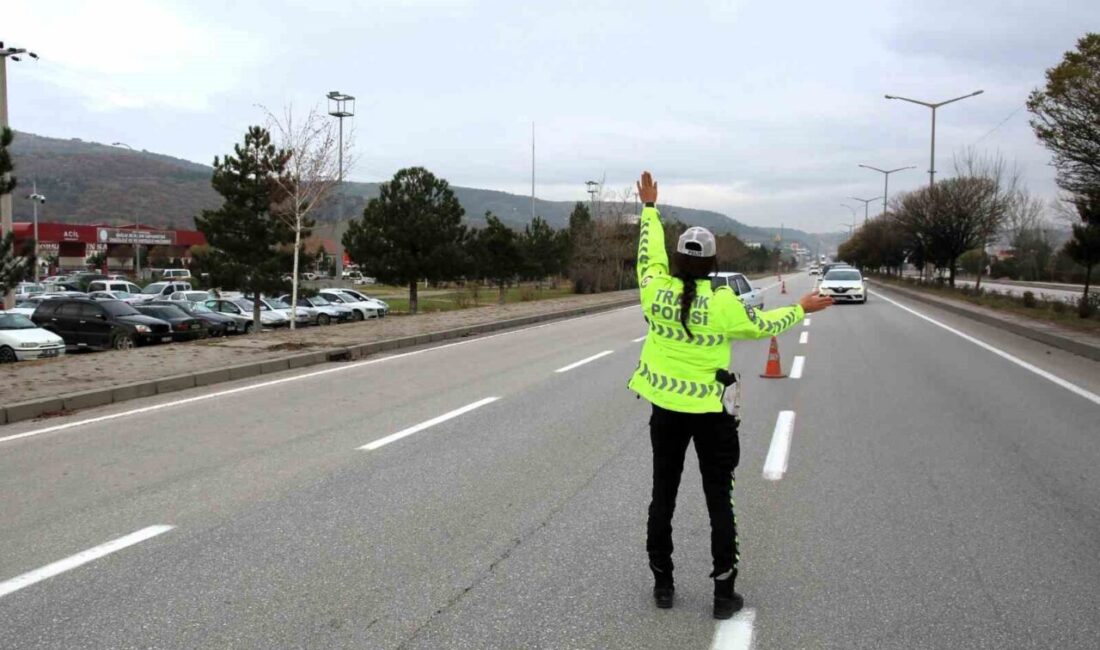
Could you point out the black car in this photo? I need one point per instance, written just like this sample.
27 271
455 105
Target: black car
184 326
84 322
216 324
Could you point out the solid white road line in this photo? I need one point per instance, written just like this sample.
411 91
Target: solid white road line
83 557
775 465
796 367
584 361
639 339
736 633
1070 386
275 382
804 338
381 442
806 322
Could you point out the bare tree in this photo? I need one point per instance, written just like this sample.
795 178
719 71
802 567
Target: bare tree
310 175
993 200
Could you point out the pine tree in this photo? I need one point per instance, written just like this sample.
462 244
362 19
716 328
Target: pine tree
413 231
250 246
13 264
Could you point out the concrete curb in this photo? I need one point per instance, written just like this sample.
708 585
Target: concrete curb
101 397
1053 340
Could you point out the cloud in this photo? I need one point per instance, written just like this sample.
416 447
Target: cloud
131 54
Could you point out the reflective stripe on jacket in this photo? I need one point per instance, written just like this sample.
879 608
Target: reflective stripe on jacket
677 370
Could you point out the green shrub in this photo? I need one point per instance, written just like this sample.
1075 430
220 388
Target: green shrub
1059 307
1029 300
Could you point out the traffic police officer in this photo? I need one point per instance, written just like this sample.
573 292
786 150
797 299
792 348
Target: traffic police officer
690 331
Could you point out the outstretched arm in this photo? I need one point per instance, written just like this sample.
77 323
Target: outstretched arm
652 258
742 322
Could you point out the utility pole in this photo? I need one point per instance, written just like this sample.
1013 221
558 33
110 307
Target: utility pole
137 230
5 200
934 107
886 185
593 190
340 106
532 171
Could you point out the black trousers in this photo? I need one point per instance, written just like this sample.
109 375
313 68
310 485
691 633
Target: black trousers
719 450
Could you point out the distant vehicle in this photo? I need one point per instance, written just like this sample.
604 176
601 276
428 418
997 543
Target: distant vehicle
116 277
190 296
832 265
176 274
216 324
83 322
21 340
327 312
55 278
360 310
243 308
123 289
185 327
162 290
26 289
351 274
844 285
815 270
740 285
382 306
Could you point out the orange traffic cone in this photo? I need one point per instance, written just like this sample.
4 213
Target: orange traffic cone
783 287
773 369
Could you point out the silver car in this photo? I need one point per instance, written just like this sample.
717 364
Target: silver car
326 311
740 285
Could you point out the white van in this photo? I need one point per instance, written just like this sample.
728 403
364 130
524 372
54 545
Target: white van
176 274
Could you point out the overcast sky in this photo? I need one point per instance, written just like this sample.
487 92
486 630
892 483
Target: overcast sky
760 110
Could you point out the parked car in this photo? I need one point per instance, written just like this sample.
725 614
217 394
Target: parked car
26 289
327 312
55 278
21 340
352 275
176 274
217 324
360 310
301 316
190 296
243 307
185 327
740 285
162 290
124 289
844 285
382 306
84 322
81 280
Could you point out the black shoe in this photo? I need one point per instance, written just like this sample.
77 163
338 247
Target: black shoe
663 596
727 602
663 588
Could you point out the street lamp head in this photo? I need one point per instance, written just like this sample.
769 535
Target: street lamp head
340 105
890 97
977 93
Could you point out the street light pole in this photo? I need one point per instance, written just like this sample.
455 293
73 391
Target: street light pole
593 189
340 105
865 203
6 226
886 183
137 228
35 198
934 107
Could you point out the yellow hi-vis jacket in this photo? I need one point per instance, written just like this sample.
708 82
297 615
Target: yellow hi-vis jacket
677 372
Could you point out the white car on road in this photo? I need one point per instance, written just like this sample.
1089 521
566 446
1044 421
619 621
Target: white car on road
21 340
740 285
844 285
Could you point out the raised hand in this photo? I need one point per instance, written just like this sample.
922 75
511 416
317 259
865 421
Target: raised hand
812 302
647 189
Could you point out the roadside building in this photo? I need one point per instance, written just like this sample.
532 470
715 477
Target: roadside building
73 244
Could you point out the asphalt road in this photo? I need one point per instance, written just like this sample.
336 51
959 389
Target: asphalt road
941 491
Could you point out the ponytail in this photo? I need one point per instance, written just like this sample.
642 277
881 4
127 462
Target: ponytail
687 299
689 270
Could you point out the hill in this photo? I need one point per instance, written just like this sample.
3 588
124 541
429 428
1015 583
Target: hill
90 182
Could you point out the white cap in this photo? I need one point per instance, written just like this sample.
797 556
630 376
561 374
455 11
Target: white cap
697 242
